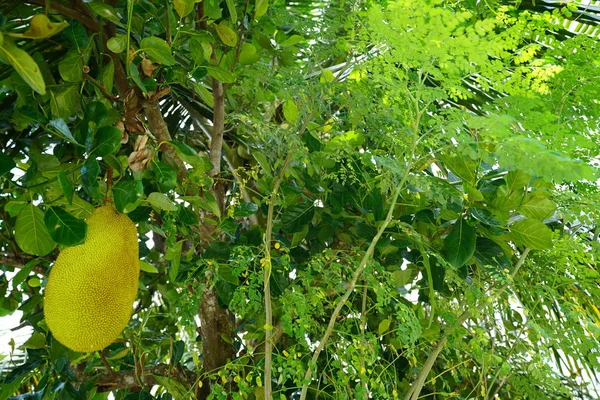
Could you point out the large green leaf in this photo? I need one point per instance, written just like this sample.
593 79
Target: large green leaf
127 195
538 206
226 34
533 234
70 66
165 175
489 253
295 218
460 243
25 66
158 50
106 141
64 228
161 202
31 233
260 8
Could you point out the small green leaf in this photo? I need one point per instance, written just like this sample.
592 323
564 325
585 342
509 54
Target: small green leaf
384 326
245 210
226 34
292 40
460 243
533 234
61 129
204 94
117 44
174 255
66 186
31 233
232 11
105 11
517 180
89 177
106 141
161 202
260 8
158 50
184 7
127 195
25 66
290 111
36 341
147 267
64 228
6 164
248 54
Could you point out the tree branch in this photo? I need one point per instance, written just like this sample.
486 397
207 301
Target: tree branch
128 380
20 262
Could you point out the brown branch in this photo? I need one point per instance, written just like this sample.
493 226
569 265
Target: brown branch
128 379
20 262
101 88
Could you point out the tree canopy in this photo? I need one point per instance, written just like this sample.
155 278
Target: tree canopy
334 199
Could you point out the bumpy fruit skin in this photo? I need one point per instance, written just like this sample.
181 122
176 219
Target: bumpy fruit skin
92 287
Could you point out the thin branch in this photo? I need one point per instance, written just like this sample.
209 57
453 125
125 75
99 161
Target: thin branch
101 88
415 390
128 379
17 262
344 299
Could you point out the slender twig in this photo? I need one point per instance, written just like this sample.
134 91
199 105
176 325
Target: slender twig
101 88
344 299
267 268
415 390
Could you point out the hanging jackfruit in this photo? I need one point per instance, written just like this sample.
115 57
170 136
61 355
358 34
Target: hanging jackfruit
91 287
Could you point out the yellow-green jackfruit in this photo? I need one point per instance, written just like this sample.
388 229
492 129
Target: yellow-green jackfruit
91 288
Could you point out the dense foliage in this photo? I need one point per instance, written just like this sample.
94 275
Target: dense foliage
334 199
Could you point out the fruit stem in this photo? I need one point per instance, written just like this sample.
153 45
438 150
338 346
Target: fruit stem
109 184
107 366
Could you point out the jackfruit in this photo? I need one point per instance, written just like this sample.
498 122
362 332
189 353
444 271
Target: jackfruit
91 288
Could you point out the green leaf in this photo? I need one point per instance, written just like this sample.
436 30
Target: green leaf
290 111
295 218
158 50
127 195
61 129
106 141
25 66
89 177
6 164
64 228
517 180
461 166
117 44
165 176
531 233
31 233
248 54
226 34
135 75
64 101
40 27
384 326
173 254
147 267
232 11
184 7
36 341
70 66
245 210
489 253
260 8
209 203
292 40
66 186
220 74
538 206
105 11
460 243
22 274
204 93
161 202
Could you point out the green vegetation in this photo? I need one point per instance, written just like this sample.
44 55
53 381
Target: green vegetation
334 199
